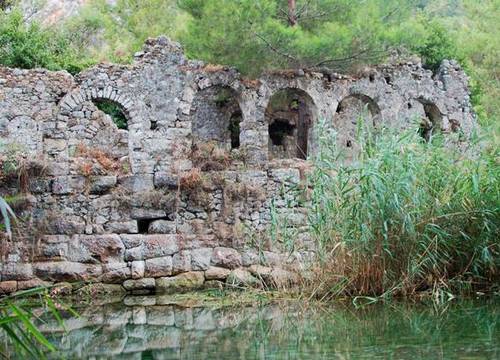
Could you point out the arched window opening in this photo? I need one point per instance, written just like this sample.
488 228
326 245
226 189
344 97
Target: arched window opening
216 117
354 113
114 110
290 115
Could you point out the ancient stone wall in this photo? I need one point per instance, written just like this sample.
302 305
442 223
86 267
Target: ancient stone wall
188 191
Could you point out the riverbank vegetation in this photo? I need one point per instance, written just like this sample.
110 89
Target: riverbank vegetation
19 321
408 216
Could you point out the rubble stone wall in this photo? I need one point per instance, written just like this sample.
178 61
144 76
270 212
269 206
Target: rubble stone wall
172 201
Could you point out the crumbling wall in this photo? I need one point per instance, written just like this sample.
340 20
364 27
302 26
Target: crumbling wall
191 188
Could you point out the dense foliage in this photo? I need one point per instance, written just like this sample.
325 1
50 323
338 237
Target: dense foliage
407 215
260 35
113 31
30 45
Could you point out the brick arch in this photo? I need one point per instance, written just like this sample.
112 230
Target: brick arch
78 97
89 126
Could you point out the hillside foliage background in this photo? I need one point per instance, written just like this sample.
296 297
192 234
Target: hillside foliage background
262 35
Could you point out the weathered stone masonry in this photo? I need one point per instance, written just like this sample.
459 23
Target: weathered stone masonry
186 194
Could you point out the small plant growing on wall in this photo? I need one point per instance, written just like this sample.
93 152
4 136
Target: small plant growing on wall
224 96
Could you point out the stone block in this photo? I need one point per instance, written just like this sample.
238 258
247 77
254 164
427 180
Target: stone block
132 241
137 183
136 253
52 248
137 269
17 271
66 271
226 257
96 249
144 213
7 287
241 277
216 273
102 184
160 245
200 258
166 180
159 267
185 281
127 227
115 273
162 227
140 284
181 262
33 283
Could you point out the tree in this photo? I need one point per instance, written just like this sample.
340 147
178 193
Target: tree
257 35
28 45
114 31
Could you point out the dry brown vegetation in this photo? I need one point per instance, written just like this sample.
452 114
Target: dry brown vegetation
17 168
208 156
191 179
98 162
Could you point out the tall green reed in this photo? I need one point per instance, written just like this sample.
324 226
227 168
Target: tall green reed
405 215
20 315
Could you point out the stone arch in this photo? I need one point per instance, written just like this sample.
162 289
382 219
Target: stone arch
87 124
216 116
350 111
359 105
75 100
290 115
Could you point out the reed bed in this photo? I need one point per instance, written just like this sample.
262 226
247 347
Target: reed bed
406 216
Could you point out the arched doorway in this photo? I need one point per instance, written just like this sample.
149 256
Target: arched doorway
290 115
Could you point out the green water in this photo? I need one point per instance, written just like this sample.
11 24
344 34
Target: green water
143 328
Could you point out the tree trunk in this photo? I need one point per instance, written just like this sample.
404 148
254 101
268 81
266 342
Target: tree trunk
292 12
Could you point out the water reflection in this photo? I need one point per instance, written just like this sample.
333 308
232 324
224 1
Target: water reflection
149 328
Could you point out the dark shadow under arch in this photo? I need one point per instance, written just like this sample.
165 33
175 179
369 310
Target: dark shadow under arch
432 121
290 114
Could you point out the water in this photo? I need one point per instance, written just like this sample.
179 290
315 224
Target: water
143 328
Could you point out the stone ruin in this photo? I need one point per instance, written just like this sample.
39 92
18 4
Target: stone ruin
187 190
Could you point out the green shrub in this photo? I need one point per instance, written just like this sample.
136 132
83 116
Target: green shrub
28 45
407 215
437 46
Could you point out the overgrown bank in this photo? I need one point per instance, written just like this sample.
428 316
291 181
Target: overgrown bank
407 216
